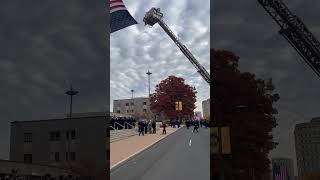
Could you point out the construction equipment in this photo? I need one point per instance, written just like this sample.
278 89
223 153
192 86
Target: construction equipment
295 32
154 16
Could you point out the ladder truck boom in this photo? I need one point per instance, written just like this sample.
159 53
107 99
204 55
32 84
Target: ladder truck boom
154 16
295 32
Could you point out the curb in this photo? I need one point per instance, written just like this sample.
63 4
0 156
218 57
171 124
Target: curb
117 165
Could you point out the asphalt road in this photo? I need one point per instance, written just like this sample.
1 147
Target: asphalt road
182 155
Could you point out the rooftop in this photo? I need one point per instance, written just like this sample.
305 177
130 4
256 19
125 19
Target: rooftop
131 98
74 116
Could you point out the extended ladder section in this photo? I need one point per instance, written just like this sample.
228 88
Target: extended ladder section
154 16
295 32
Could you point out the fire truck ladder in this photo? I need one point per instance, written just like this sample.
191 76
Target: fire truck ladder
154 16
295 32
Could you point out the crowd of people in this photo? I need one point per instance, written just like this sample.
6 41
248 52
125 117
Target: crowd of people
196 124
123 122
147 126
175 123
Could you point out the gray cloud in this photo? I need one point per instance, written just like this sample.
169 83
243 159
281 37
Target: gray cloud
136 49
45 45
244 28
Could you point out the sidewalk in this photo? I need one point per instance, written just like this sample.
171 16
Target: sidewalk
124 149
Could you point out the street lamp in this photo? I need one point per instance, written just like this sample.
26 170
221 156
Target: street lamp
149 73
132 93
71 92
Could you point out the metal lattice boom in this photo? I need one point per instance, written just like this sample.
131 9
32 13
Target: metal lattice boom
295 32
154 16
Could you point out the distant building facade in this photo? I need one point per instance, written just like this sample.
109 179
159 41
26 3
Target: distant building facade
206 109
131 106
283 163
307 142
79 142
197 115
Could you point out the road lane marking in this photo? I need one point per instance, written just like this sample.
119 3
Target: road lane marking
190 143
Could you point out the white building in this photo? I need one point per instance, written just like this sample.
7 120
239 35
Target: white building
79 142
206 109
131 106
307 142
284 162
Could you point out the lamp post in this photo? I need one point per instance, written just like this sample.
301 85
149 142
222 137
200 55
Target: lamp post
149 73
71 92
132 93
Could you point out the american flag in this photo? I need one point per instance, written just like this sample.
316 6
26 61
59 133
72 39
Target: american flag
119 16
280 172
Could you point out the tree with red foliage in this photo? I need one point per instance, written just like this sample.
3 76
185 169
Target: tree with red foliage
245 104
169 91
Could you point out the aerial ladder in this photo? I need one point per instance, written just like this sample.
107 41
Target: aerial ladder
154 16
295 32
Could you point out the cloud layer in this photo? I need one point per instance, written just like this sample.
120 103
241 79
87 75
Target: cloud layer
138 48
45 45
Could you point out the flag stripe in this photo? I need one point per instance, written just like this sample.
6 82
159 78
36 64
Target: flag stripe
114 5
115 1
118 9
119 16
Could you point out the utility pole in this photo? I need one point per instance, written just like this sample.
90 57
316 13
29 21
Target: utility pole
132 93
70 93
149 73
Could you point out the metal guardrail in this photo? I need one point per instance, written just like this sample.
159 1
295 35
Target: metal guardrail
118 125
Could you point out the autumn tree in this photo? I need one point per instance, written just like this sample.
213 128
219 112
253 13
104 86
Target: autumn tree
245 103
169 91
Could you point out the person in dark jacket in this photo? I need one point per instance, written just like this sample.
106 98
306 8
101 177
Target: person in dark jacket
154 127
145 125
164 128
140 125
196 125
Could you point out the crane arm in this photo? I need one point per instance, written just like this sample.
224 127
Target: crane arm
155 16
295 32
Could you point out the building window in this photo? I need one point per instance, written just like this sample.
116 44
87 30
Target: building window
132 104
56 156
55 136
144 110
119 111
132 110
72 156
73 134
27 137
127 104
127 111
144 103
28 158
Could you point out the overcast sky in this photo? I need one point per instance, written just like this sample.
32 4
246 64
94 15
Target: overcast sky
245 28
138 48
45 45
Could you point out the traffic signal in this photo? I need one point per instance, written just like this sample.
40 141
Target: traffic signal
215 140
178 105
225 140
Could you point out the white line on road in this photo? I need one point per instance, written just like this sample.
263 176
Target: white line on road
190 143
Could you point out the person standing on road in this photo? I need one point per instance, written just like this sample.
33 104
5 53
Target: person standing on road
154 127
164 128
195 126
150 127
140 126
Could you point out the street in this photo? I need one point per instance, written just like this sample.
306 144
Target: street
182 155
